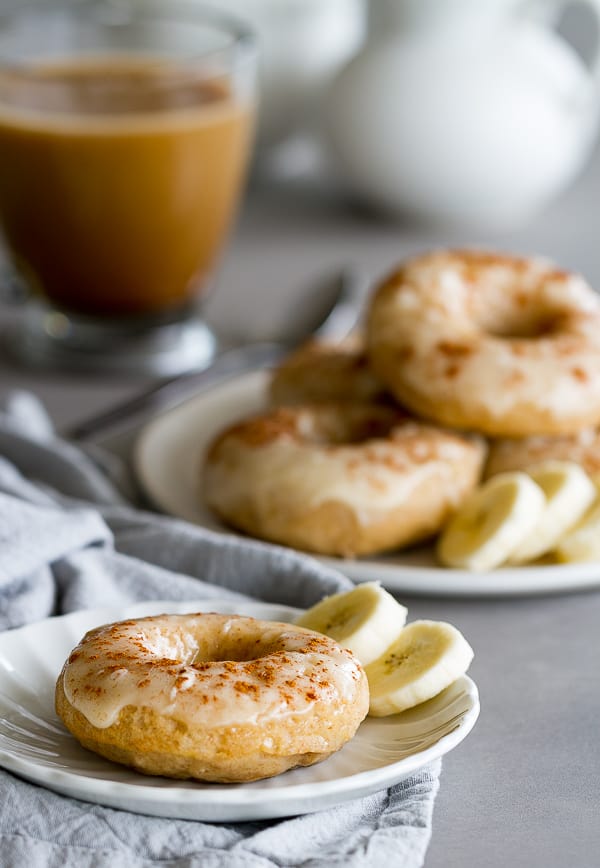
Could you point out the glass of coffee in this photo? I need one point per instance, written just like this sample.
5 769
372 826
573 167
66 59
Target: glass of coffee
125 130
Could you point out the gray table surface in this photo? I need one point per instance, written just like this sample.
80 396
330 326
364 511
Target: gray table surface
524 788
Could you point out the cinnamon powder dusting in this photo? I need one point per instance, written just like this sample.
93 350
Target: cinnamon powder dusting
246 687
454 350
263 430
452 371
580 374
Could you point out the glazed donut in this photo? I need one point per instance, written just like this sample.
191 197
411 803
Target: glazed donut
582 448
345 479
326 371
213 697
504 346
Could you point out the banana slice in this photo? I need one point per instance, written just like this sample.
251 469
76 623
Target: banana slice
365 620
569 493
426 657
582 543
496 519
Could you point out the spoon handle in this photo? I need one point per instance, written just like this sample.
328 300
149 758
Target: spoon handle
337 316
157 396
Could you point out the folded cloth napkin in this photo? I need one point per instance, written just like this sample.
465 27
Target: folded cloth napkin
71 539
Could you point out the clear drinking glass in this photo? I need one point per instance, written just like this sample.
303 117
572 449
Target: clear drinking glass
125 131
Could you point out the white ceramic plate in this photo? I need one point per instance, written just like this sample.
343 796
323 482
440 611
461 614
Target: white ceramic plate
168 455
35 745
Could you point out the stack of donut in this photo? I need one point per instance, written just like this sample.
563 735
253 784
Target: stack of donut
472 363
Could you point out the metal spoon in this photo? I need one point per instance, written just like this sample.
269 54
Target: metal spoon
340 302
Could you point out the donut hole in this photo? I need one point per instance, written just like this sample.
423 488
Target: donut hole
184 648
512 304
522 324
179 650
231 647
228 654
341 425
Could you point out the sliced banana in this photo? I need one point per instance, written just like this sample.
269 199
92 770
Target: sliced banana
495 520
582 543
569 493
426 658
366 619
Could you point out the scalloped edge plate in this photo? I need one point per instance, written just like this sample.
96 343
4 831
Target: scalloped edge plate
35 745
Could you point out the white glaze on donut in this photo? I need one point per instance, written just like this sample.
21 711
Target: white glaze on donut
502 345
339 479
522 453
209 669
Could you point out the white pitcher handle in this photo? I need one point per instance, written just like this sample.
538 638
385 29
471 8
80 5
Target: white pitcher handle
547 13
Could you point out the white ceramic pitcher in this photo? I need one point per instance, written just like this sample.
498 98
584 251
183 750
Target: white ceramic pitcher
468 111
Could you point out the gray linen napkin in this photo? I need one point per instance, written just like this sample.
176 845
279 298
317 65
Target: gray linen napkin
69 539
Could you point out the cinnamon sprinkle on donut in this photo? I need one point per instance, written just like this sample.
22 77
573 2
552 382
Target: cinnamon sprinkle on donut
486 313
197 693
354 478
